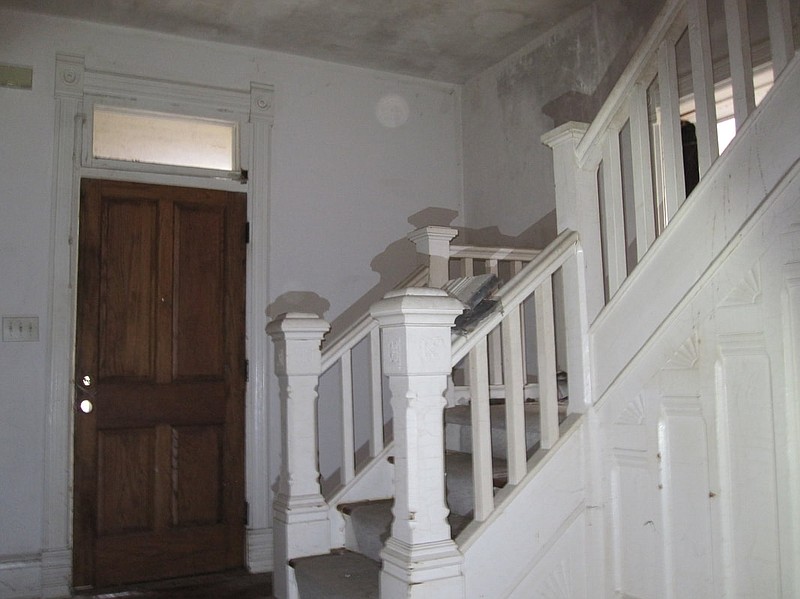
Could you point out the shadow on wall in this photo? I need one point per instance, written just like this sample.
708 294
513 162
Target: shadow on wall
576 106
399 259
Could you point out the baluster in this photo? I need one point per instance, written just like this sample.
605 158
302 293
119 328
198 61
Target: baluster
482 475
741 60
546 350
642 172
672 156
348 434
516 267
495 342
780 34
514 380
469 267
703 83
616 266
376 392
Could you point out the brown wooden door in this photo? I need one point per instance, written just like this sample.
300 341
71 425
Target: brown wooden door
159 459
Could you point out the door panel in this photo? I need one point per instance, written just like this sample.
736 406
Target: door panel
159 461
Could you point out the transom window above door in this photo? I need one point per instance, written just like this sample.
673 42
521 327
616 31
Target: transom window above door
128 138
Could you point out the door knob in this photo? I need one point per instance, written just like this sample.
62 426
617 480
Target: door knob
86 406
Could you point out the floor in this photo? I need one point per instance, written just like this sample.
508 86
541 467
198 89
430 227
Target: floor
228 585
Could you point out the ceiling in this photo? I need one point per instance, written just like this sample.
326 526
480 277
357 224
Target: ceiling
444 40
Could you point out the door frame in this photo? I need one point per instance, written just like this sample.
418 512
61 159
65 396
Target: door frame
253 109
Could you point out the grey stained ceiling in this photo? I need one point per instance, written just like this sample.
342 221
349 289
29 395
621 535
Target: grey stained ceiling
445 40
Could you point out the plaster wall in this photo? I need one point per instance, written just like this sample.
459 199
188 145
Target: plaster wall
344 192
563 75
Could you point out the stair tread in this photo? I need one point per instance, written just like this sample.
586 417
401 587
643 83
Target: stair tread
341 574
461 415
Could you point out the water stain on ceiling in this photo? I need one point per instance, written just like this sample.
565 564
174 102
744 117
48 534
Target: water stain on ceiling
443 40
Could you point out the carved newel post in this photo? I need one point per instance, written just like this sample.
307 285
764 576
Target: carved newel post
420 559
301 514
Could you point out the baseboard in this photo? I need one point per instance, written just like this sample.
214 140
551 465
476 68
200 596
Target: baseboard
20 576
259 550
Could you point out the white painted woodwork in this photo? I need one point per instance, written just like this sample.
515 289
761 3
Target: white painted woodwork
433 248
301 515
495 341
376 440
578 209
703 84
546 352
348 429
780 34
642 172
670 129
420 558
614 219
514 383
741 61
482 476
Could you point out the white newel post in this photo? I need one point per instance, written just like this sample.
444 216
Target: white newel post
577 208
300 512
433 248
420 559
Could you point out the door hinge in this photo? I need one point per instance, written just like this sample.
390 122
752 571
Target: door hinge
247 232
247 371
246 515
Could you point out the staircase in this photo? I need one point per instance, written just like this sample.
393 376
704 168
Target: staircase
453 465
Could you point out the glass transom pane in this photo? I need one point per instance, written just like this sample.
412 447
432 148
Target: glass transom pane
158 138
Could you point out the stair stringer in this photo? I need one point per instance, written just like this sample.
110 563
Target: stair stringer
536 543
701 492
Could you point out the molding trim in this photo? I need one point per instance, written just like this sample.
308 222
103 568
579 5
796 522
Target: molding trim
20 576
73 85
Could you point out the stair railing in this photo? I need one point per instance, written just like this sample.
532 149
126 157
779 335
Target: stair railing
534 284
418 351
622 180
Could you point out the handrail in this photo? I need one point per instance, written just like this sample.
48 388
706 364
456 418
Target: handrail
512 295
493 253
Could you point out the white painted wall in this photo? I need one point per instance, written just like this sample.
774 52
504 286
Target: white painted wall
564 75
343 189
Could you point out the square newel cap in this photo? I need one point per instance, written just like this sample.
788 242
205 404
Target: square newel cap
420 306
298 325
433 240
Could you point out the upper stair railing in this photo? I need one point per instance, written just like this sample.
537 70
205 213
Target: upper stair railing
622 180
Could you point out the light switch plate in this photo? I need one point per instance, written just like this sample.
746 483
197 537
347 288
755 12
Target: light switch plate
20 328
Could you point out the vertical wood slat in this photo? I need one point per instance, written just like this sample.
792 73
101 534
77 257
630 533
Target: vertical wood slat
616 267
741 60
703 84
469 267
482 475
376 392
780 34
516 267
495 342
546 345
348 434
642 172
672 153
514 380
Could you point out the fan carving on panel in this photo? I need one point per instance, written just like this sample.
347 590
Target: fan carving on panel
686 356
747 291
557 585
633 414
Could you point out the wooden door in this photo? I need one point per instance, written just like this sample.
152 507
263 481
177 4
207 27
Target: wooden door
159 457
